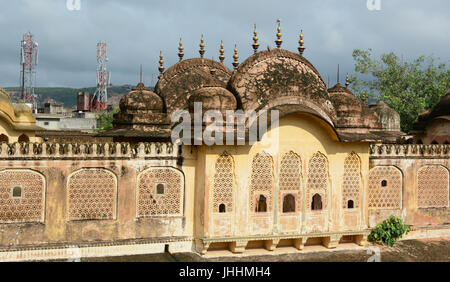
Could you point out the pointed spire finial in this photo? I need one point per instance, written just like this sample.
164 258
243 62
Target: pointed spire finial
235 57
222 51
364 98
301 48
140 73
255 40
347 81
279 34
161 64
180 50
338 80
202 47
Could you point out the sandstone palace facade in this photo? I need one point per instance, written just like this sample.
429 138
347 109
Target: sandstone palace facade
339 167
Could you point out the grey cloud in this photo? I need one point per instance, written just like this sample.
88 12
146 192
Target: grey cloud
136 31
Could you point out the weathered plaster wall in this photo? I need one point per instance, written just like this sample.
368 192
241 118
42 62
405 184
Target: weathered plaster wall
304 135
125 163
409 159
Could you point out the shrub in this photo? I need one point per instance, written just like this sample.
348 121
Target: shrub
389 231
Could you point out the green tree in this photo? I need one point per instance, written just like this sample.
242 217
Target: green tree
408 87
105 119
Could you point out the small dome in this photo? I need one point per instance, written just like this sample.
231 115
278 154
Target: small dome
213 98
141 99
22 109
348 107
388 117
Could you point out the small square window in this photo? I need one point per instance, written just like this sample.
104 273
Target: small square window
160 188
45 122
384 183
16 191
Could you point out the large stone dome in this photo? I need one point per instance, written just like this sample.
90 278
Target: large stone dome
182 79
213 98
279 78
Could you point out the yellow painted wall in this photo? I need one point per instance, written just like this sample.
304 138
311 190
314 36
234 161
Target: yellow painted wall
303 134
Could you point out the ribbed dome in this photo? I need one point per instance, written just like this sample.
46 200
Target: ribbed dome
22 109
345 102
213 98
141 99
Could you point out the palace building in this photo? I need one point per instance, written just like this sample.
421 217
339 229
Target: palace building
331 169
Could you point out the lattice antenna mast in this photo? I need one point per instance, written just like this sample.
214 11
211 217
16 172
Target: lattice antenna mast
100 97
28 62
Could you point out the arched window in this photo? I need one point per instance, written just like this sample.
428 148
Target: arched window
23 138
316 202
222 208
350 204
289 203
383 183
434 142
4 138
261 205
160 187
17 191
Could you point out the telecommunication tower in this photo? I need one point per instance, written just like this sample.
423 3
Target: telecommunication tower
100 96
28 61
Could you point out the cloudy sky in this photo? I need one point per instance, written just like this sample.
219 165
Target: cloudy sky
137 30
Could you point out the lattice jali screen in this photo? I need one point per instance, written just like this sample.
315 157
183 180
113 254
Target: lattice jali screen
385 187
318 179
291 176
261 182
351 186
223 183
149 202
29 206
433 186
92 194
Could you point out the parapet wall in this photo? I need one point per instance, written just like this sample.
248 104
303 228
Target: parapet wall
86 150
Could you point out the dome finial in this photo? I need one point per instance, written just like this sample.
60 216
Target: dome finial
180 50
364 98
338 79
222 51
161 64
255 40
347 81
202 47
279 34
301 48
235 57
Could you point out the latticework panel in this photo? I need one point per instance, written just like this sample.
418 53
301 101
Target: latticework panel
92 194
351 186
385 187
27 205
223 183
317 179
261 182
291 176
150 203
433 186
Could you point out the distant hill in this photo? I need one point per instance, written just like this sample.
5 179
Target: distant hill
68 96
